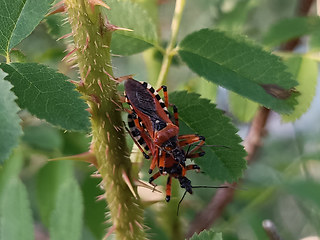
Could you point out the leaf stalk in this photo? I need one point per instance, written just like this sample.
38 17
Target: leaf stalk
170 52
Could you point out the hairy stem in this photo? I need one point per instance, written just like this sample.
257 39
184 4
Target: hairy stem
169 53
92 38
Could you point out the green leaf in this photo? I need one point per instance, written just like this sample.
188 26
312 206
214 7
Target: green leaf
18 19
127 14
94 212
10 129
207 235
48 95
288 29
305 70
239 66
55 25
235 19
44 137
17 56
151 6
11 168
202 117
241 107
203 87
48 181
314 41
306 191
67 217
15 213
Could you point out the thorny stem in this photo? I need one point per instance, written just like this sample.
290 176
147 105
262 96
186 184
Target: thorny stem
170 51
92 38
224 196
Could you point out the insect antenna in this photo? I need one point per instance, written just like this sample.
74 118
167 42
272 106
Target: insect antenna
213 146
197 187
210 187
180 202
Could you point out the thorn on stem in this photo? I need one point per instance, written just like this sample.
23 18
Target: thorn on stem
70 53
101 197
110 231
84 157
59 8
65 36
94 3
127 181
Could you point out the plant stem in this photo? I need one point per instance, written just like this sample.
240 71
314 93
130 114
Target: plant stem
8 58
92 38
169 53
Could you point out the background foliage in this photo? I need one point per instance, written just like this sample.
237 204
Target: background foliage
279 185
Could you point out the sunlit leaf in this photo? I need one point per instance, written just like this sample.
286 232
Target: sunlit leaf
241 107
204 88
305 70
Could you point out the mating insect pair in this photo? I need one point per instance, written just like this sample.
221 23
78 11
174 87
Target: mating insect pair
155 133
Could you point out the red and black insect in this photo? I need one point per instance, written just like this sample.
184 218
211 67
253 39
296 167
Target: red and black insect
152 129
171 167
150 116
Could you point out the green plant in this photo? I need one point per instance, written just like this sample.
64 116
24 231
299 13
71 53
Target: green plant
86 125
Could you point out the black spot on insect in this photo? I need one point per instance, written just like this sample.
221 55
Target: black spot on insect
158 97
151 90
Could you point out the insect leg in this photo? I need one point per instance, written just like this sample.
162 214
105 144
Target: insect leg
154 177
136 136
168 188
165 94
154 161
162 161
192 167
190 139
176 115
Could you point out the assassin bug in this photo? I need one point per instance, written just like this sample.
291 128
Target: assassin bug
171 167
152 129
150 115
